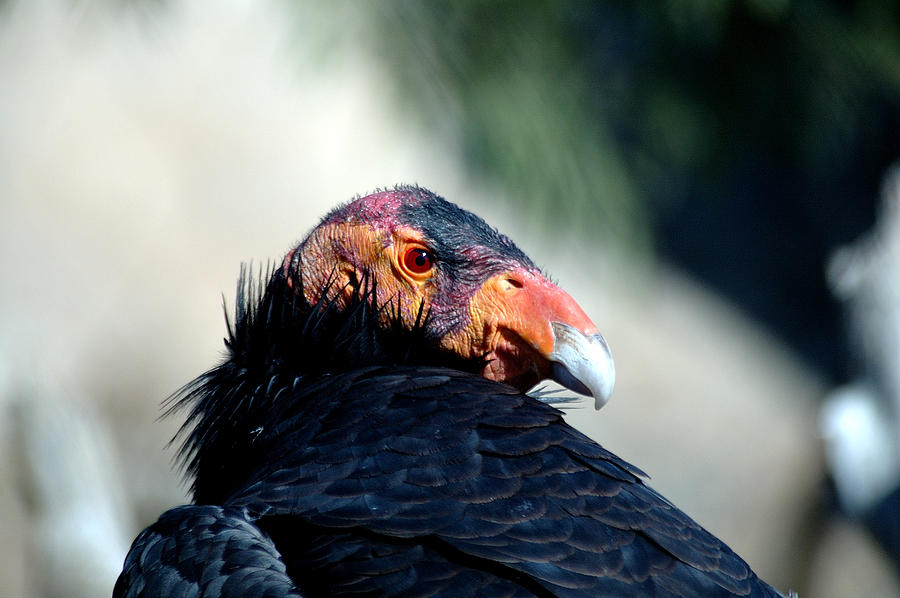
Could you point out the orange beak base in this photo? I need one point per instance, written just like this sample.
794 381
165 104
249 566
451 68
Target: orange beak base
531 330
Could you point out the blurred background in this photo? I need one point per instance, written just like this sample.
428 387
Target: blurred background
711 180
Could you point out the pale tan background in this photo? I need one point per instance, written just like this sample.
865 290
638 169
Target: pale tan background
145 154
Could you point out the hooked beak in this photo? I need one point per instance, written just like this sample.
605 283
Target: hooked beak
582 362
532 330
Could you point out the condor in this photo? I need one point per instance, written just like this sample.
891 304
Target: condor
369 434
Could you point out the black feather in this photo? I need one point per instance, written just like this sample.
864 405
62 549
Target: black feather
342 452
277 341
204 551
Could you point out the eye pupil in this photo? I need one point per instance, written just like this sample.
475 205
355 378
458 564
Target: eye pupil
418 260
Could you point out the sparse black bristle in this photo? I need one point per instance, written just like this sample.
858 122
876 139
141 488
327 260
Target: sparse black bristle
275 339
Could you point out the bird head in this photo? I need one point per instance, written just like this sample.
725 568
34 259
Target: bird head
484 299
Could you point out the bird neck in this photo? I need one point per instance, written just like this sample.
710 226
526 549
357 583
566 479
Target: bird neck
277 344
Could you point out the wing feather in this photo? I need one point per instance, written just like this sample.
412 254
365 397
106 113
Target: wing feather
478 477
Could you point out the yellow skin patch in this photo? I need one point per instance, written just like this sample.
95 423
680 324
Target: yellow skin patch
497 329
345 252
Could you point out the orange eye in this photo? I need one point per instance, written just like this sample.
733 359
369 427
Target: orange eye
418 260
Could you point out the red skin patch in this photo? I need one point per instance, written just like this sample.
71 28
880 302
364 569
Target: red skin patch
380 209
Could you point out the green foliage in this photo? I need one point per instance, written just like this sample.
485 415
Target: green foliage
603 116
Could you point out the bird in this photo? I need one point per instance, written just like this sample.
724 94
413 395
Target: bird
370 432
